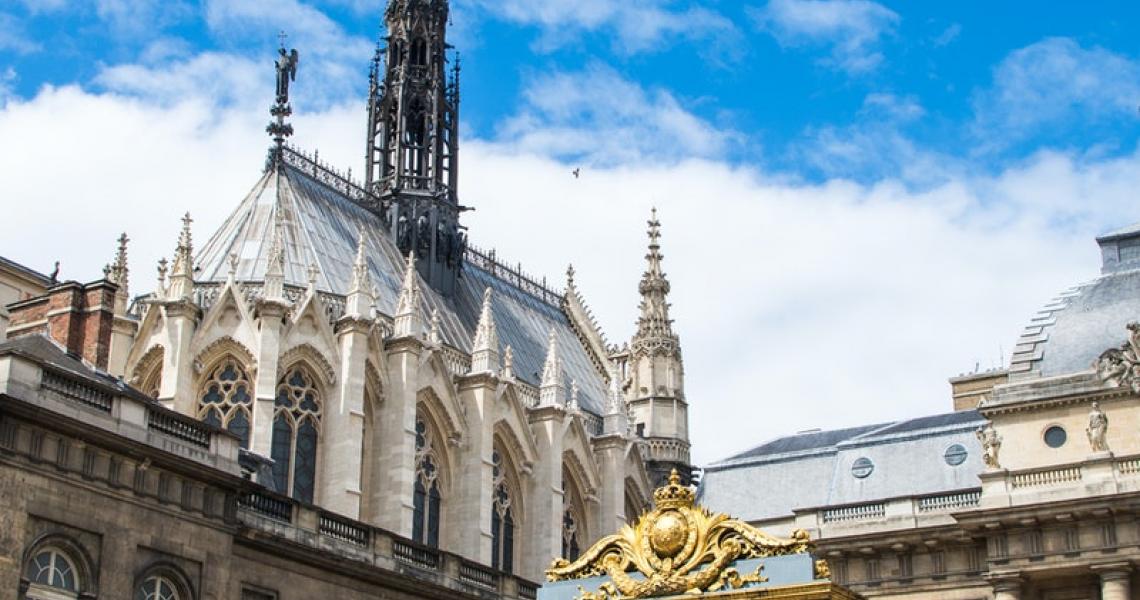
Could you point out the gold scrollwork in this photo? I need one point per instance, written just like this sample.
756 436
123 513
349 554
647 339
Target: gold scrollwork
679 549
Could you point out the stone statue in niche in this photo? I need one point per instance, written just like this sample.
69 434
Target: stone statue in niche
991 445
1098 429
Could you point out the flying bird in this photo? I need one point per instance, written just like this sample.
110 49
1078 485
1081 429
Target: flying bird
577 172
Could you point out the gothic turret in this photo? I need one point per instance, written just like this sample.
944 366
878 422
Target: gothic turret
411 161
656 388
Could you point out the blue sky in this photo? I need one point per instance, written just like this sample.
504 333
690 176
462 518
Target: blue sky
793 85
859 199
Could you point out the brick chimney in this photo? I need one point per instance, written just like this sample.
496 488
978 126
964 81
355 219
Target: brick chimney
77 316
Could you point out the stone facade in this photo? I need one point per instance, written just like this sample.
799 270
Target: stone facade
379 378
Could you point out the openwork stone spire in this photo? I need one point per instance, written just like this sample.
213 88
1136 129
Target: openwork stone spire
182 272
408 305
655 335
552 392
485 352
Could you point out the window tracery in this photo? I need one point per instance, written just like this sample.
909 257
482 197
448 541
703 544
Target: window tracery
502 519
157 587
226 399
426 495
296 431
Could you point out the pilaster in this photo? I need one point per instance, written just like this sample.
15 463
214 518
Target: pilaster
610 451
544 521
1006 586
1115 580
181 320
394 470
270 315
344 423
477 392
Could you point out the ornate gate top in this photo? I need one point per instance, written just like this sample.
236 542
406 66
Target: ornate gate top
679 548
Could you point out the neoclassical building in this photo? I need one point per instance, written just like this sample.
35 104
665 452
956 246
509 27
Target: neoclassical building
370 364
1029 490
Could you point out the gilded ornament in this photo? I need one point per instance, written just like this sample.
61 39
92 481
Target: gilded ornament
679 548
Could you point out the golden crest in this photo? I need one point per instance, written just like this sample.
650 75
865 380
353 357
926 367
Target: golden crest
679 549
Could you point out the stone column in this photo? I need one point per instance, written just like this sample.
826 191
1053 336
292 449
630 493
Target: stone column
1115 581
477 393
269 314
394 470
1006 586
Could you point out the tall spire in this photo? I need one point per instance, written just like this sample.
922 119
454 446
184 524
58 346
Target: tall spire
552 391
182 272
120 275
412 149
654 327
408 305
485 349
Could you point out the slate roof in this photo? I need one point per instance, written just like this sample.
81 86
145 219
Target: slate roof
1071 331
814 469
321 227
42 350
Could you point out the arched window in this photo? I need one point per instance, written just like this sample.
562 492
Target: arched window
419 52
296 428
158 587
502 521
51 575
226 399
426 496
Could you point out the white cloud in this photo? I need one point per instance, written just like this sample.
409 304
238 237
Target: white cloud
7 81
599 117
639 25
1055 82
14 38
851 28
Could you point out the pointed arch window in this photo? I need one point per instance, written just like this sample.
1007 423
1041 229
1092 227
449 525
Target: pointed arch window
226 399
502 519
296 431
52 575
426 497
419 52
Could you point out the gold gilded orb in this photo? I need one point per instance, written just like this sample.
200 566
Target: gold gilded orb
668 534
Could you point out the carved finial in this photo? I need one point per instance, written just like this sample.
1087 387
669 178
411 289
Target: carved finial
181 272
120 274
485 353
508 363
570 276
162 266
275 270
278 129
408 304
435 337
574 395
106 271
550 393
234 262
674 477
314 272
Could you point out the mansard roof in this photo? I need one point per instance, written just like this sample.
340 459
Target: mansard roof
322 225
1069 333
814 469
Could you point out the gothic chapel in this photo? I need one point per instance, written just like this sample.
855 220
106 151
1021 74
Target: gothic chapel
372 363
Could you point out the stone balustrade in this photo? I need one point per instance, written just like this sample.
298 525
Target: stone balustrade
1099 474
889 513
282 518
108 405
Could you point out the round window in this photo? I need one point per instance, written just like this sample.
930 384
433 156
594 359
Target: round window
862 467
1055 436
955 455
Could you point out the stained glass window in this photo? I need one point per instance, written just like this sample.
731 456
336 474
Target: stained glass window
426 496
225 400
296 431
502 521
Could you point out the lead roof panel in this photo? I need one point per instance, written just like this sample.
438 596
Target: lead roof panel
321 228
